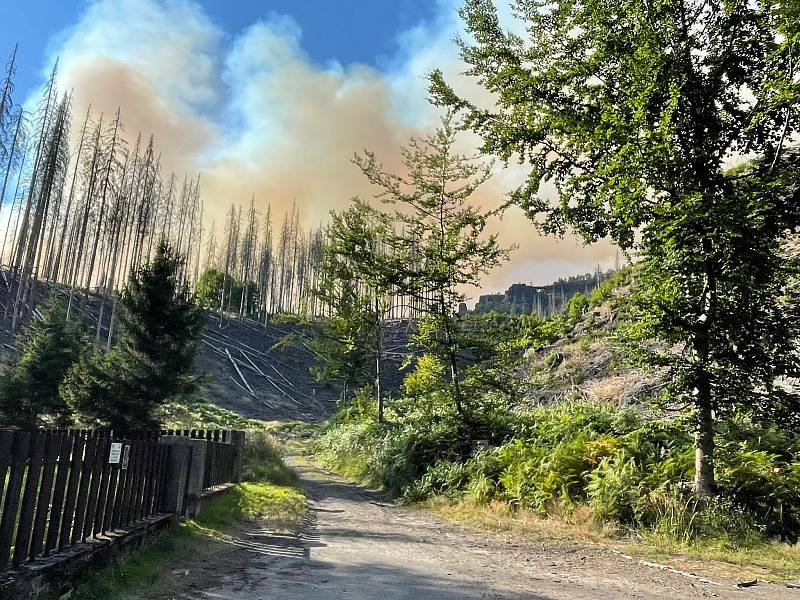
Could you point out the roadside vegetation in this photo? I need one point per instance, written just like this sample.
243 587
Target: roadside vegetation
192 412
661 406
567 465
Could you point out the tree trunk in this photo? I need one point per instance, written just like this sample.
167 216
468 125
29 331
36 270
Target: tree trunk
378 353
704 484
451 355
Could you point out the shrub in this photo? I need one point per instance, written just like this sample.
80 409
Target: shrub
426 378
625 467
614 489
576 306
764 485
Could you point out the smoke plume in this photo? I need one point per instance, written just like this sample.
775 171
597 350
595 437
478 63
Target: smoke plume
256 116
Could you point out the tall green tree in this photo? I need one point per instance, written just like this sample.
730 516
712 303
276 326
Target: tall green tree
47 349
153 360
633 112
209 288
437 237
355 284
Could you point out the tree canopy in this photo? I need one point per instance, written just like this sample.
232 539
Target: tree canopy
634 112
153 359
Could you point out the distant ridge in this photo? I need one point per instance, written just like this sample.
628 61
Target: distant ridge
541 300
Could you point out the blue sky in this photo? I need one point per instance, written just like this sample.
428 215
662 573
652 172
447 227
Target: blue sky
347 31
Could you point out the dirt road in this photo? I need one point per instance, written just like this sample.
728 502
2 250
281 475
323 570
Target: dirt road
357 545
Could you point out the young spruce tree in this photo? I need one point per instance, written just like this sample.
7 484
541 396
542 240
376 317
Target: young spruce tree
153 359
47 349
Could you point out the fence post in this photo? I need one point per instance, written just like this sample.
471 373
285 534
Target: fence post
174 492
194 471
236 438
197 469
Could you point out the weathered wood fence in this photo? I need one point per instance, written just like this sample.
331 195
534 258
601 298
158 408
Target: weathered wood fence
62 488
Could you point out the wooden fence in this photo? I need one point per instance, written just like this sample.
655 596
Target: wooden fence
219 464
60 488
214 435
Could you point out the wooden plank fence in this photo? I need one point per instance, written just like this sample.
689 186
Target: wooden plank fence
60 488
220 460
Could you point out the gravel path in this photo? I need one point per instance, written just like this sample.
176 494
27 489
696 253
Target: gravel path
357 545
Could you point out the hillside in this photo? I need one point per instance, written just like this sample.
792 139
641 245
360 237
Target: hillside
265 372
587 362
543 301
257 371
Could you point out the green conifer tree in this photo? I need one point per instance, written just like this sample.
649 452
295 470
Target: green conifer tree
153 359
352 285
437 238
48 348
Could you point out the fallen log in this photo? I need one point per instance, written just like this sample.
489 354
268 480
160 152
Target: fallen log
251 362
239 371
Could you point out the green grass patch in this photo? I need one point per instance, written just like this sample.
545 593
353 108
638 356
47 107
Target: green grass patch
765 559
352 467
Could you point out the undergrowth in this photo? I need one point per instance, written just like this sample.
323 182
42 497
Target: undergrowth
625 469
192 413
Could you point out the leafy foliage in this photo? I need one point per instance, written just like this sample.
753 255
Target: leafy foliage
576 306
355 288
211 284
628 469
631 112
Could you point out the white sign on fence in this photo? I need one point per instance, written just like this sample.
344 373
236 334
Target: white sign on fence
115 454
126 454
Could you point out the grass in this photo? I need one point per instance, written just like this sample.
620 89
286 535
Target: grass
770 560
270 495
263 460
196 414
351 467
193 413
